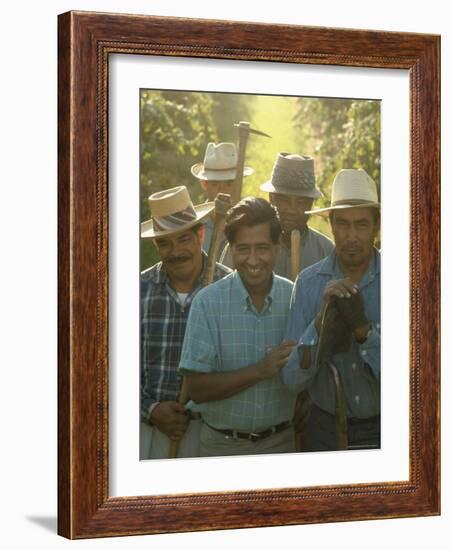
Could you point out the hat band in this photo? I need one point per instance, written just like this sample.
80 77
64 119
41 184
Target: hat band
176 220
220 169
354 202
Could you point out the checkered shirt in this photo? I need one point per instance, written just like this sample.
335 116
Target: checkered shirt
225 332
163 321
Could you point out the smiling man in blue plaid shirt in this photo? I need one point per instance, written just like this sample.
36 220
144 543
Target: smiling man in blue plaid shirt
234 344
167 290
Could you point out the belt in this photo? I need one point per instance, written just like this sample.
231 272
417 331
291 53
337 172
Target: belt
354 421
350 420
252 436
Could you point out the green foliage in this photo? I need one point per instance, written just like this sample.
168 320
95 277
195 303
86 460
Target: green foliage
272 115
228 109
176 127
174 132
342 133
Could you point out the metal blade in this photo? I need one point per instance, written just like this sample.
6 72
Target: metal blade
242 125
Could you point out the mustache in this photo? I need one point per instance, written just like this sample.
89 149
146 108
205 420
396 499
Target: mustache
176 259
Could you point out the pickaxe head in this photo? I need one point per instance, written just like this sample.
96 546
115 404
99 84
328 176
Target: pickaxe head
245 127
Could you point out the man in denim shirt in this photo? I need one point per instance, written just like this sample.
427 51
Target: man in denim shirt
350 274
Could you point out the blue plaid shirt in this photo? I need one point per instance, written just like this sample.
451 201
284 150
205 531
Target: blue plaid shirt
359 368
225 332
163 321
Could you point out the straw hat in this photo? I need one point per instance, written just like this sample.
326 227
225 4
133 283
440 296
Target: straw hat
293 175
172 212
351 189
220 163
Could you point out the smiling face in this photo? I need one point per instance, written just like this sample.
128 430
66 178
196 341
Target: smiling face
291 210
354 231
181 257
254 256
212 188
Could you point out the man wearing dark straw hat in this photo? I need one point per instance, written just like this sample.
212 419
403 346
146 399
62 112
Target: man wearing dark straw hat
346 284
292 190
217 174
167 290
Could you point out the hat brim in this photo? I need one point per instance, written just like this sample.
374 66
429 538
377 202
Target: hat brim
218 175
202 211
325 211
270 188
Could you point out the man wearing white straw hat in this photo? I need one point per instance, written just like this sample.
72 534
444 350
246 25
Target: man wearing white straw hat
347 282
167 290
217 174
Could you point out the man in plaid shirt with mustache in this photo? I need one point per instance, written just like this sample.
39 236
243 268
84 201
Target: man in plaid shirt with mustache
166 291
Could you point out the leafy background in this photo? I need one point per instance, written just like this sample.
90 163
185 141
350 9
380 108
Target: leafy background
176 127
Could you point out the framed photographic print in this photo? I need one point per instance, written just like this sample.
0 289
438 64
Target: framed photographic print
140 98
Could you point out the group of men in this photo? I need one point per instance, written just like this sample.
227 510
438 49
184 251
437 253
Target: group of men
268 365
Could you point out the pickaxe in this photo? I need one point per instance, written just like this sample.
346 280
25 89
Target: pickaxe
244 131
334 337
222 205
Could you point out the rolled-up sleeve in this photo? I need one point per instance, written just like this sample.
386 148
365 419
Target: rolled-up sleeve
301 328
199 350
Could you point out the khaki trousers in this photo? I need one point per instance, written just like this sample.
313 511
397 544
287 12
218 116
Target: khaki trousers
214 443
155 444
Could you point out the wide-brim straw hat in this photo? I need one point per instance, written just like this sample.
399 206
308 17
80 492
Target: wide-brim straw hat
293 175
351 189
220 163
172 212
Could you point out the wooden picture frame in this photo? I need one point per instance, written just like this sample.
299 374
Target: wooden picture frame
85 42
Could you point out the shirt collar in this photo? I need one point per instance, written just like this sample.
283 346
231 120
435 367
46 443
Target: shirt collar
240 289
331 267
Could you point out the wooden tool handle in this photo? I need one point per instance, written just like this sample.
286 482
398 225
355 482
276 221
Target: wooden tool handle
295 254
244 131
183 398
222 205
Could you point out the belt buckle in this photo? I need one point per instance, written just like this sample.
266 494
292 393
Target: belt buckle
253 437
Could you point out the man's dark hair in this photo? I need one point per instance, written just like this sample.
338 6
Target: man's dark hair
375 215
249 212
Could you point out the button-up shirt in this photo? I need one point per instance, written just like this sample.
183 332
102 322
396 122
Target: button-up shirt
359 368
314 246
163 322
225 332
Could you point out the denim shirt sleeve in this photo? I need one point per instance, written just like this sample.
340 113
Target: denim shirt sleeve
301 322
